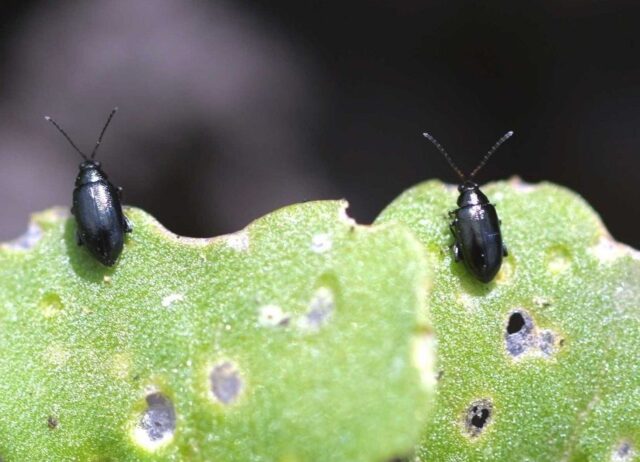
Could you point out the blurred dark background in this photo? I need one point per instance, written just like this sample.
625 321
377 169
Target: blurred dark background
229 110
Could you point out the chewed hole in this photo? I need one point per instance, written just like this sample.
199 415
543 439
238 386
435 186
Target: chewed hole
478 416
157 423
519 333
344 217
516 323
522 336
226 383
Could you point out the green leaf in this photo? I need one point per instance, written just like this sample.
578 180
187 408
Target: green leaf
561 382
296 339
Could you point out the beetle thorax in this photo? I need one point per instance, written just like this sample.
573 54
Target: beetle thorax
90 172
470 194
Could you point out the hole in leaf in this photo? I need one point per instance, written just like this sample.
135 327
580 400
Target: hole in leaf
522 336
516 323
519 336
478 417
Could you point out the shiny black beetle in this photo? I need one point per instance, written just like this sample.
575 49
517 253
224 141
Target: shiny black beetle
101 224
475 226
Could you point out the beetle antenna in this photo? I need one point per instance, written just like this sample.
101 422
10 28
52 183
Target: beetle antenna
445 154
493 149
55 124
104 129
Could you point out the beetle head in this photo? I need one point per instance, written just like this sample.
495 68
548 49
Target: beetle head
470 194
90 172
89 164
467 186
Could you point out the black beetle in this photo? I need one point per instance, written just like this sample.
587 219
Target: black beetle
476 226
97 206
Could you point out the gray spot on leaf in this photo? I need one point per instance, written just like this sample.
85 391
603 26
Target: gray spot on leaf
226 383
623 452
27 240
522 336
159 419
519 335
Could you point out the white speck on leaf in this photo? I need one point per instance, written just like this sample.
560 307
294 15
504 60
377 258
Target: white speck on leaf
171 299
272 316
321 243
238 241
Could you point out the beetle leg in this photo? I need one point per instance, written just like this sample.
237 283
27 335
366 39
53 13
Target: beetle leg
119 189
505 252
456 252
456 249
78 238
452 228
128 227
